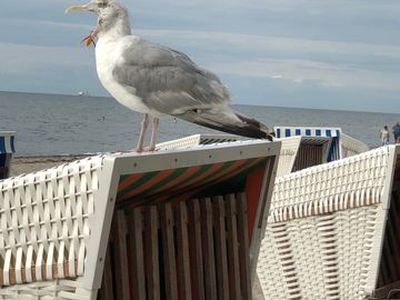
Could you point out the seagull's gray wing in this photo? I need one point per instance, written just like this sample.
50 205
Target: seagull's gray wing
167 80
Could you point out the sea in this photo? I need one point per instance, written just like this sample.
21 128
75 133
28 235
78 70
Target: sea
66 124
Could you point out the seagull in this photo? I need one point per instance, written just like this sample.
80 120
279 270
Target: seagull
158 81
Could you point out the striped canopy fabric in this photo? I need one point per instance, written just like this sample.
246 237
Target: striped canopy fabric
168 184
282 132
176 185
7 140
334 152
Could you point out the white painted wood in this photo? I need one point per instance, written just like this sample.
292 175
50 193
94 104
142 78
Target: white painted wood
290 147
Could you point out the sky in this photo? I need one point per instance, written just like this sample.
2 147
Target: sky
337 54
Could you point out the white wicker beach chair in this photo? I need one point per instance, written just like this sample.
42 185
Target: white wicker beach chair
331 230
55 224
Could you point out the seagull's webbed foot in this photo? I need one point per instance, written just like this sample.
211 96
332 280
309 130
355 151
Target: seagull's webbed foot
147 149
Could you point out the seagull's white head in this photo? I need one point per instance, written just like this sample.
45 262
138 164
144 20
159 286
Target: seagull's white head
111 15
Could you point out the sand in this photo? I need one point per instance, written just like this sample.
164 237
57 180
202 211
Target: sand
29 164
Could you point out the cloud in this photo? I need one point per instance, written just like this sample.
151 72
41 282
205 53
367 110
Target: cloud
263 43
303 71
331 64
22 59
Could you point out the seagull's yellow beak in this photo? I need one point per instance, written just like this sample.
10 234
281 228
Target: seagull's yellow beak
75 7
91 6
80 7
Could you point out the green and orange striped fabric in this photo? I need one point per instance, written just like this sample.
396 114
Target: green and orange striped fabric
172 184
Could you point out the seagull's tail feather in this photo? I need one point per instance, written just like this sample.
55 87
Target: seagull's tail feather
230 122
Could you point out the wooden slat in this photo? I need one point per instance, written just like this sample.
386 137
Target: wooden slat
135 225
243 238
208 249
395 211
384 268
390 262
221 253
171 288
232 244
383 292
183 265
268 166
393 250
121 267
151 249
106 290
195 250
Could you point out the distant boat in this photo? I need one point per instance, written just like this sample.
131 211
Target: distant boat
83 93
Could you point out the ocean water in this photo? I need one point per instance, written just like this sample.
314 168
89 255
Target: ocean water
60 124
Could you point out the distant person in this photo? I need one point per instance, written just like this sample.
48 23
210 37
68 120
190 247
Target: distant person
396 133
384 135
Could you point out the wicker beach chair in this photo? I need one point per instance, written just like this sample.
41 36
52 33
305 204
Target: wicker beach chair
332 230
333 134
317 145
169 214
7 148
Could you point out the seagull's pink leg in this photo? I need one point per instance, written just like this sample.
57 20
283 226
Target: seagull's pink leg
145 122
153 139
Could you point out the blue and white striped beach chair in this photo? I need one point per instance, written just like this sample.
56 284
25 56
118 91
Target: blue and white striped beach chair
331 133
7 148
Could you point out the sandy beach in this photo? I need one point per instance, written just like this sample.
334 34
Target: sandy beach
29 164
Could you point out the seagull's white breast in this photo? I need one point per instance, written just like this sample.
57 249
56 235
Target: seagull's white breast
108 54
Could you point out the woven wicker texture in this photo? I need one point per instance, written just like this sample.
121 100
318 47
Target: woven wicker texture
45 290
352 182
321 229
44 227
